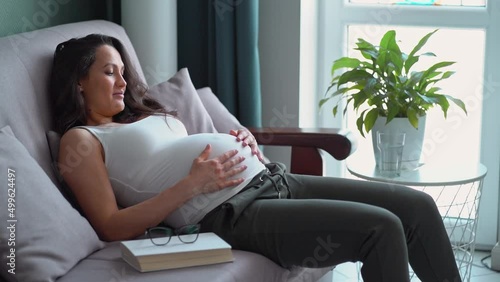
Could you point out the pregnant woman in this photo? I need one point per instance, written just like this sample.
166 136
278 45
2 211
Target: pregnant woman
142 169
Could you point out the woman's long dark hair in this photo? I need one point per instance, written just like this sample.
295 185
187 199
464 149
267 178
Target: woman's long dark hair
72 61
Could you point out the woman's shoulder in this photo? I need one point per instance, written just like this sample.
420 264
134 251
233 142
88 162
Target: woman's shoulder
78 142
76 135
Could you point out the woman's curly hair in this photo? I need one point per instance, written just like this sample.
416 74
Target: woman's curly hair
72 61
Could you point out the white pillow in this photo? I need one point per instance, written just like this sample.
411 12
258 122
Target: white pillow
222 119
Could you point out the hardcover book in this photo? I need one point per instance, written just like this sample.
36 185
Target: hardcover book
144 256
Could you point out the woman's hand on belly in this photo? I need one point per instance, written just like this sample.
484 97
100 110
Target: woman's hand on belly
211 175
247 138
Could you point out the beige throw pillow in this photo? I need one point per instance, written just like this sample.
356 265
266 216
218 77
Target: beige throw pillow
179 94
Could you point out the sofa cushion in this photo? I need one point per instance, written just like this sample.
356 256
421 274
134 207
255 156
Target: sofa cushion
222 119
47 236
54 140
179 94
107 265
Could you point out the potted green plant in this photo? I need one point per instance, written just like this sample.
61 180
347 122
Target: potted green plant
385 87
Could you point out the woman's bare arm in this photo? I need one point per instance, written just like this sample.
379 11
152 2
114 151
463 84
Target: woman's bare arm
87 176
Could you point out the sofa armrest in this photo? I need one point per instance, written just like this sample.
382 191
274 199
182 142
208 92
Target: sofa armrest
305 142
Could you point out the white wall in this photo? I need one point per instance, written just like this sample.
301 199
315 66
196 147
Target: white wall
279 47
152 27
289 67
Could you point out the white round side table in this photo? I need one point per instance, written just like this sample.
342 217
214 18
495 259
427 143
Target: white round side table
456 189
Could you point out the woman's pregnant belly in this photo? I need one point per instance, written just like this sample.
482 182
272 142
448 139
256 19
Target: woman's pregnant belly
175 160
171 162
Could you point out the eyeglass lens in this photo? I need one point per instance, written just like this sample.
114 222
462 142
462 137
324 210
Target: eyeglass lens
160 236
188 233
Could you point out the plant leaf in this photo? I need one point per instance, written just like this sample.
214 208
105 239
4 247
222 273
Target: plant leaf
385 45
430 73
392 111
354 76
349 100
359 123
371 87
430 54
359 98
345 62
421 43
370 119
339 91
412 59
329 95
396 60
344 111
323 101
367 50
447 74
334 79
444 104
436 66
395 56
429 99
458 102
412 117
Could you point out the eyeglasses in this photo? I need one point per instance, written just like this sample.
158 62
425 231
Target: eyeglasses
160 236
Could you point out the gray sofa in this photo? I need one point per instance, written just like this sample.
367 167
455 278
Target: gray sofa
42 236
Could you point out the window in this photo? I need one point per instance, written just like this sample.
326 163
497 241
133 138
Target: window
469 33
468 3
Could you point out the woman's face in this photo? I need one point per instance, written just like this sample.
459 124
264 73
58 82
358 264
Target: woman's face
103 88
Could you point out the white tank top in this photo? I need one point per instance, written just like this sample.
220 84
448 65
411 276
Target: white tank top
152 154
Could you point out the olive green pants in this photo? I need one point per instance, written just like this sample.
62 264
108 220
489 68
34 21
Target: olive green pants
299 220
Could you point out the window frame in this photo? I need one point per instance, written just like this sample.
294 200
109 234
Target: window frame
335 16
